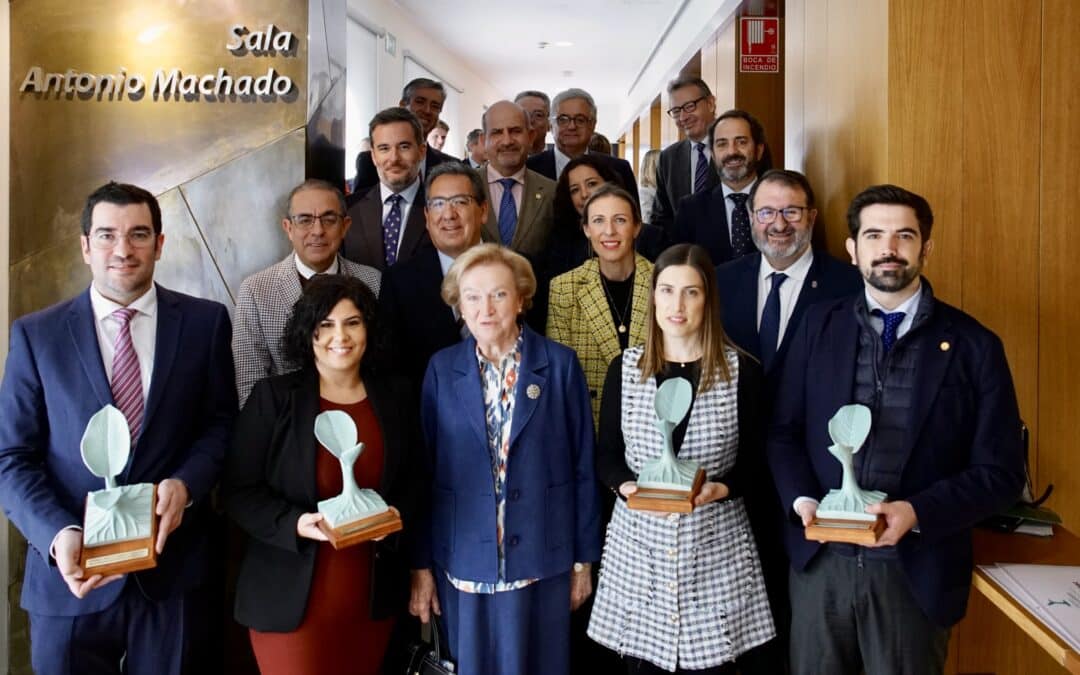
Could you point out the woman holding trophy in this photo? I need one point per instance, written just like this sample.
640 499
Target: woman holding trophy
310 607
681 591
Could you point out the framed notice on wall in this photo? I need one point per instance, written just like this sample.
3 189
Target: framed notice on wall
759 44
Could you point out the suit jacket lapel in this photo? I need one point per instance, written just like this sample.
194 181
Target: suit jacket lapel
305 407
82 328
934 358
415 228
531 377
640 302
531 196
491 226
594 305
742 307
369 230
719 228
844 342
681 170
469 390
169 326
811 292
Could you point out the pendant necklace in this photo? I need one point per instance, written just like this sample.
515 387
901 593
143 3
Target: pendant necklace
621 316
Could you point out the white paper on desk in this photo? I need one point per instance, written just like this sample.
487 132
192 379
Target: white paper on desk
1050 592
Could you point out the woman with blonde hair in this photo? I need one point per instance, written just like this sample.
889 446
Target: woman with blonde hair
647 183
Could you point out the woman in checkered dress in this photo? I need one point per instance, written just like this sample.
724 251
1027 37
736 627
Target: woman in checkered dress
682 592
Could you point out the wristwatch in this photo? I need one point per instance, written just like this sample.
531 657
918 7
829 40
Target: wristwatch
581 567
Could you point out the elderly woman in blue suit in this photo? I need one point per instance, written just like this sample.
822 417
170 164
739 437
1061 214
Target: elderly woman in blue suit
514 519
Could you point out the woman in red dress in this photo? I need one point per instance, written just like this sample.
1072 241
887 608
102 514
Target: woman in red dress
312 609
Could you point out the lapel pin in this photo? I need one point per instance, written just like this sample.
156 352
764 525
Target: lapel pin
533 391
813 284
945 346
538 195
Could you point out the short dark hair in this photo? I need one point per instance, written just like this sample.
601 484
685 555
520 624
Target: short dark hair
316 184
421 83
397 114
457 169
443 125
757 132
120 194
320 296
891 194
535 94
612 190
600 143
787 178
473 136
686 81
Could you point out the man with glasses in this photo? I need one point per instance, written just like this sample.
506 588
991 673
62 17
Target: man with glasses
424 98
162 359
718 219
685 167
522 213
316 224
474 148
418 320
538 107
575 121
389 218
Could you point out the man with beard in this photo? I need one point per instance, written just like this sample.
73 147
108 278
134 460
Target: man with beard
424 98
685 167
718 219
766 293
522 214
944 445
388 220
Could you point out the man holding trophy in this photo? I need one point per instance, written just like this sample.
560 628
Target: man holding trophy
156 365
915 400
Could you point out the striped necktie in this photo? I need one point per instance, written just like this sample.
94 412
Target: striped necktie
126 377
701 171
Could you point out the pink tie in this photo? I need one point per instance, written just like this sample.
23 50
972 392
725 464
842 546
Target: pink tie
126 379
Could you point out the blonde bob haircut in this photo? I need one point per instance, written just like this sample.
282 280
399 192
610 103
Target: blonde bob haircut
490 254
714 365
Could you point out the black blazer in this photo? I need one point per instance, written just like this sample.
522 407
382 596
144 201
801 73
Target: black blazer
544 164
269 482
673 182
827 279
364 241
367 176
418 321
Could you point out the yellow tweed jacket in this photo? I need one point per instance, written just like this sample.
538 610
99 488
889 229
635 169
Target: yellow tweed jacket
579 317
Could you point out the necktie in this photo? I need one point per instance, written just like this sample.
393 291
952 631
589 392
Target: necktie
741 243
769 332
126 378
507 212
701 171
392 229
892 323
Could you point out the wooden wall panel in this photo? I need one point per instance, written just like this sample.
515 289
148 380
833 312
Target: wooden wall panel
727 50
1000 167
656 121
1059 272
710 66
926 125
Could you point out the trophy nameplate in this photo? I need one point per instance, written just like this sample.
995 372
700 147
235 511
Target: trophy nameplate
356 515
119 525
842 516
667 483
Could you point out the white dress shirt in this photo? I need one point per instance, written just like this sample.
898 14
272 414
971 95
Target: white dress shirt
143 326
789 290
307 272
561 161
408 197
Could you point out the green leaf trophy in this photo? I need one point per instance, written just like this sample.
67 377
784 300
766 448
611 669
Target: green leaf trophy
842 514
119 525
355 515
667 483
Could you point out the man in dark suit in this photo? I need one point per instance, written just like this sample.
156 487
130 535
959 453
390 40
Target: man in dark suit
718 219
419 321
537 105
388 220
764 295
685 167
575 123
425 99
162 358
944 445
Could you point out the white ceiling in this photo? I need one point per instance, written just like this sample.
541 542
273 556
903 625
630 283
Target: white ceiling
499 41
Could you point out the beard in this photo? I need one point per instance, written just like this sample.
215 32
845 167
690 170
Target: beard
775 251
737 174
891 281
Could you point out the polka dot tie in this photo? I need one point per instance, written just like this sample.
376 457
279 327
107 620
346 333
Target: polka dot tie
741 243
392 229
892 323
126 378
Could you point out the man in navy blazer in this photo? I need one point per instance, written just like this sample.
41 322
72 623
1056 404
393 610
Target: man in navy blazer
574 124
57 376
757 318
944 444
716 219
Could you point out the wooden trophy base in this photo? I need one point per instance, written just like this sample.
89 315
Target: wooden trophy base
359 531
668 501
863 532
123 557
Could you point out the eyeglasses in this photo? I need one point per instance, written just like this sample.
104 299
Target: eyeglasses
305 221
688 107
458 202
791 214
538 115
104 240
578 120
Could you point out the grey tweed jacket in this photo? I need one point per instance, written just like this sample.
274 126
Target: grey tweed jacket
262 307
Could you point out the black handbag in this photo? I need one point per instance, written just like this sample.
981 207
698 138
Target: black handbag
426 658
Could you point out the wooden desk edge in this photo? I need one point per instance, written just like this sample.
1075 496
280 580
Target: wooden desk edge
1058 649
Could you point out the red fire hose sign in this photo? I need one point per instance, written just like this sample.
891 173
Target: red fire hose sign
759 44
